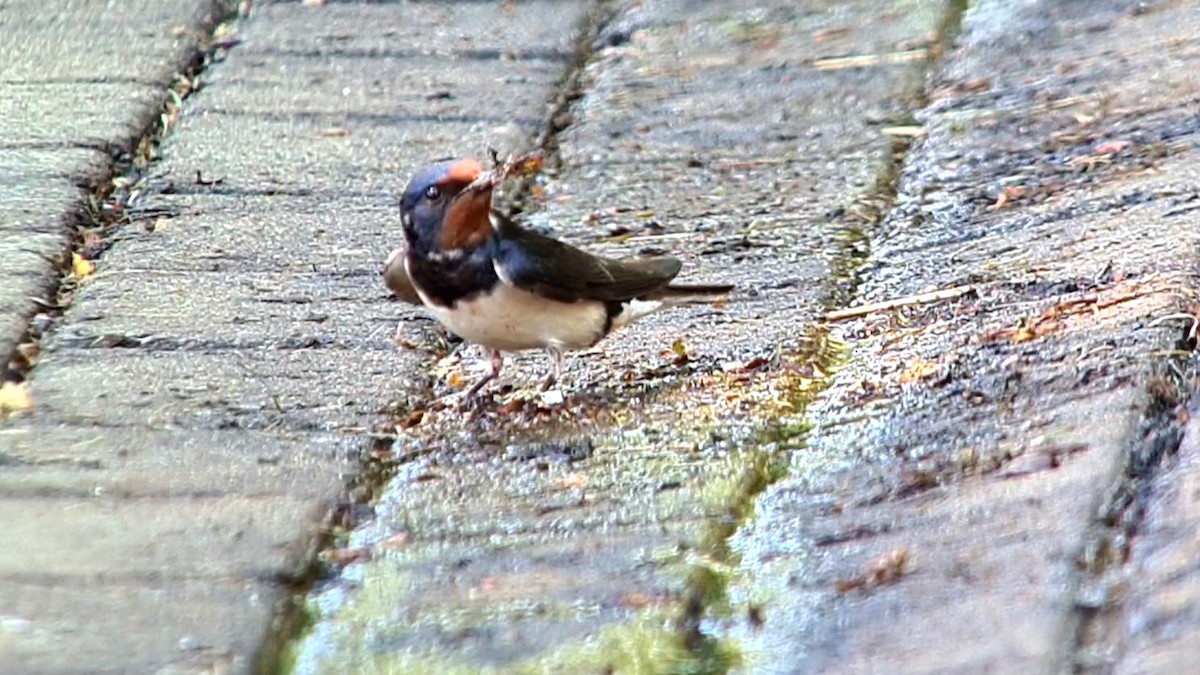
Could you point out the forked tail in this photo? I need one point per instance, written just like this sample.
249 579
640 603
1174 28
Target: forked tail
666 296
680 293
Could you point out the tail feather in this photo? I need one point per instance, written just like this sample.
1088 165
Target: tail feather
678 293
667 296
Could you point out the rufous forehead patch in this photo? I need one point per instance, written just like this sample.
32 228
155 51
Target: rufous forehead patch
464 171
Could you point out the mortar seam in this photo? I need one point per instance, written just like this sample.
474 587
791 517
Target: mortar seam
846 262
105 197
1105 551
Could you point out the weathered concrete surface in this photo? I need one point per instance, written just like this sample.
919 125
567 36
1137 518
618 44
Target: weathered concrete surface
220 371
212 382
77 82
707 132
1159 616
996 438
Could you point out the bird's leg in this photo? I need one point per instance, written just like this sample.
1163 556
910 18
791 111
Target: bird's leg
556 373
497 364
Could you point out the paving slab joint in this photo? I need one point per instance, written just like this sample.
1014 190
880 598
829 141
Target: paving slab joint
1097 620
819 352
110 196
592 35
866 219
291 618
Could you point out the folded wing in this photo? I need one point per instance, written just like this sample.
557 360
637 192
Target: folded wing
562 272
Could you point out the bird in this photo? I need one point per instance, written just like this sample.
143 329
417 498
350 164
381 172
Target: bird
507 288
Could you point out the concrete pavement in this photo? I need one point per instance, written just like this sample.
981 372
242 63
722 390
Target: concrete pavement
203 405
702 131
80 577
164 492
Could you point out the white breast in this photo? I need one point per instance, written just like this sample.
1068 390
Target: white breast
510 319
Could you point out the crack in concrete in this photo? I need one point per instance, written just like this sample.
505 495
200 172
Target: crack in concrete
1096 627
381 119
850 252
569 89
535 54
108 202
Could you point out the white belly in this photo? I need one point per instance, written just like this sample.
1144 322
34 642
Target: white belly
510 319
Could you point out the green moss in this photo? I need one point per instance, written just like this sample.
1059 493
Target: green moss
286 634
646 645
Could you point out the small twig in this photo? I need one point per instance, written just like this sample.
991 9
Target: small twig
1181 210
751 163
907 131
642 238
863 60
515 166
1181 315
1125 297
905 301
414 454
1092 352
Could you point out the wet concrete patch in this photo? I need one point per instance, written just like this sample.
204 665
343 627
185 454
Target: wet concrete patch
488 574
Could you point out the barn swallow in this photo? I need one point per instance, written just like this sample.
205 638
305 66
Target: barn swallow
507 288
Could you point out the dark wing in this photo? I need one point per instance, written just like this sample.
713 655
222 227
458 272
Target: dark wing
559 271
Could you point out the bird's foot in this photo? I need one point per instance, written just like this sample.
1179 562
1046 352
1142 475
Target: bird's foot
555 372
471 399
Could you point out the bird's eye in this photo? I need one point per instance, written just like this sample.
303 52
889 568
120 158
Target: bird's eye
432 193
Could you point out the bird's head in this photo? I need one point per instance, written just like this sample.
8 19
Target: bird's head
440 214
